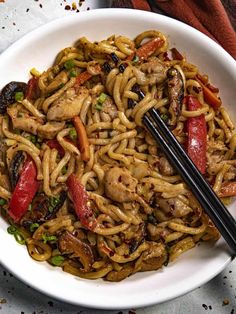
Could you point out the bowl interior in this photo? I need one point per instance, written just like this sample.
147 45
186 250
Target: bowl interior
38 49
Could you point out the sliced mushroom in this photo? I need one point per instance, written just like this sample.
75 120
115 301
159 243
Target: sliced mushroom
69 244
175 87
42 209
7 95
15 166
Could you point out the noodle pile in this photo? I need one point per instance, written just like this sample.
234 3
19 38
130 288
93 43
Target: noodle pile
145 215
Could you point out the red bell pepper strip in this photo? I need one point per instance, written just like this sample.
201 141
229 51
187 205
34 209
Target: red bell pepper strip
25 190
54 144
82 138
80 199
147 49
209 95
197 135
85 76
176 55
228 189
32 88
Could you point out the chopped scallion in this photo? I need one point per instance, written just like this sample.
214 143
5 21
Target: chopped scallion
33 226
64 170
73 73
61 85
98 107
102 98
73 134
16 233
19 238
49 238
19 96
69 64
164 117
2 202
135 59
12 229
57 260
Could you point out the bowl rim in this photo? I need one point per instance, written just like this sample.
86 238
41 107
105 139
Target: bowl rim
54 25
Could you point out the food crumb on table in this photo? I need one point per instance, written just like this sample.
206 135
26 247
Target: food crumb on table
225 302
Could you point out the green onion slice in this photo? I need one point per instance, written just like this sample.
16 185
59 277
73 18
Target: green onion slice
102 98
69 64
98 107
57 260
19 96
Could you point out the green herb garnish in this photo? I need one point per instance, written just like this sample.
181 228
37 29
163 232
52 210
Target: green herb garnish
64 170
19 96
98 107
33 226
69 64
19 238
164 117
135 59
12 229
73 134
16 233
73 73
57 260
61 85
48 238
102 98
2 202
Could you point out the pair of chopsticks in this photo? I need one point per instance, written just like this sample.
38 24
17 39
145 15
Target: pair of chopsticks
212 205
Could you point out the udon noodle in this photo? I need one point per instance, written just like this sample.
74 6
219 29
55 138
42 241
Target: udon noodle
83 184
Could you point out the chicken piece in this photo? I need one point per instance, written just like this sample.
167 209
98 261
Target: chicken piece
156 232
173 207
120 186
22 120
175 87
154 257
50 129
68 105
109 110
165 167
69 244
155 71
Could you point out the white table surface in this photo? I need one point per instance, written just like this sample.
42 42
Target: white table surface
17 17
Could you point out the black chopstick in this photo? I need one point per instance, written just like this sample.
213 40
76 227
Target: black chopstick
191 166
213 206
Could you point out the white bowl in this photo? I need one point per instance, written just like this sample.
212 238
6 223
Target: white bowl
192 269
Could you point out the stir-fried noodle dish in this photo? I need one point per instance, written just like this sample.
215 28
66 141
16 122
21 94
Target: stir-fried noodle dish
83 184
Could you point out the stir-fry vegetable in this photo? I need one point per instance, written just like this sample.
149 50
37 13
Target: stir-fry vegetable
82 138
80 199
25 190
31 91
147 49
209 96
228 189
197 135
